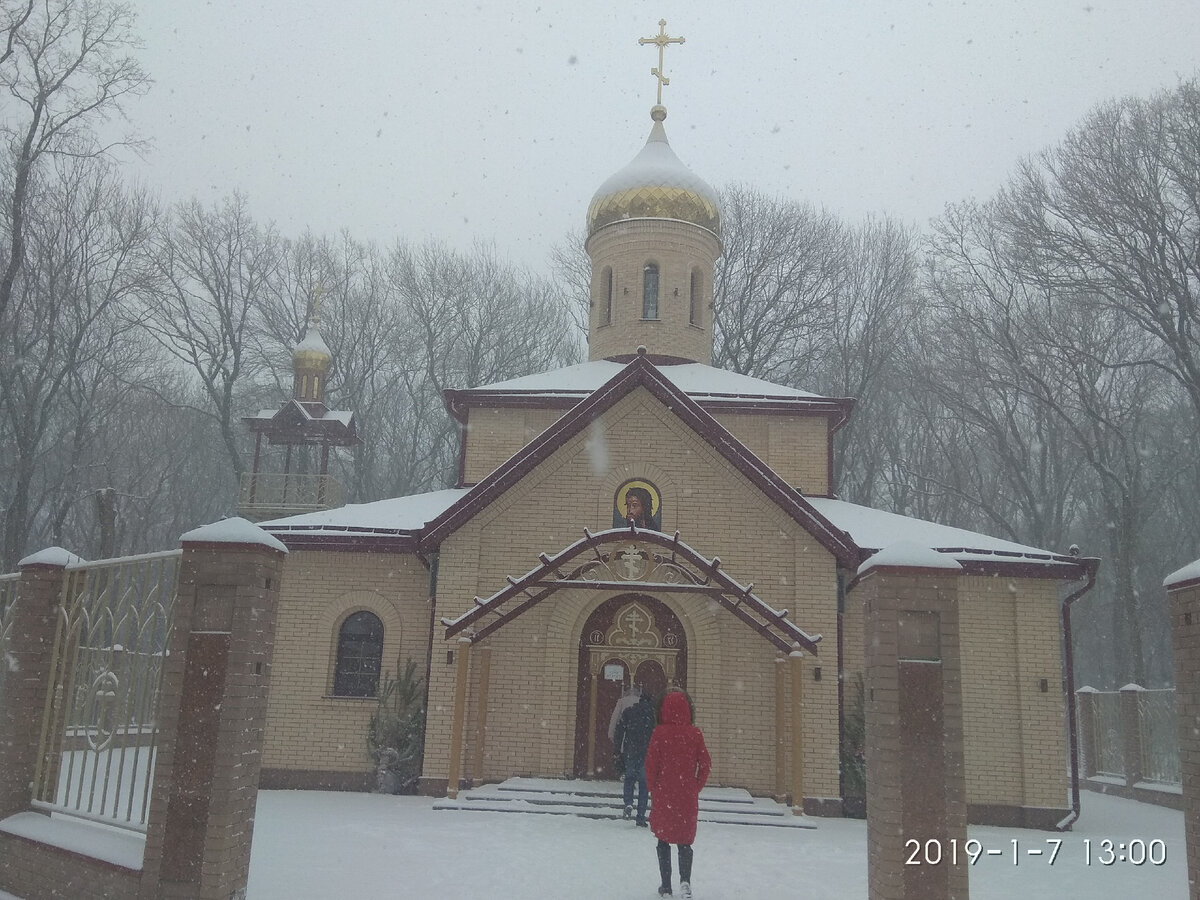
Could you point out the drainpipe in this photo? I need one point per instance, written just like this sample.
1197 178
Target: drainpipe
1090 566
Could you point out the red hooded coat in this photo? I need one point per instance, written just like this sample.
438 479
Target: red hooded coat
677 767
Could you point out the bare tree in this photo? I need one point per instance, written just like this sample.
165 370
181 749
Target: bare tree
66 66
216 268
783 263
66 327
1114 212
477 320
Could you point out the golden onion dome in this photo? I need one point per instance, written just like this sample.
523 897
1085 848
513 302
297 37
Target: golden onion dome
311 353
655 185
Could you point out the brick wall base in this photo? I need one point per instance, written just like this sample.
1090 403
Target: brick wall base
36 871
314 780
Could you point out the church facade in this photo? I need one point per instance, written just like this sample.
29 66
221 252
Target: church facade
646 518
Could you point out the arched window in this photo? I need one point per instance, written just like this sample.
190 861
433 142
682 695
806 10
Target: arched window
608 297
694 299
650 291
359 656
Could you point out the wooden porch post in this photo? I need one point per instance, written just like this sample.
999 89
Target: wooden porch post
780 728
797 666
460 709
592 696
485 666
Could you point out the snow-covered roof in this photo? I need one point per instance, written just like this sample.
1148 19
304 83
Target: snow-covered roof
235 530
698 381
874 529
344 416
312 343
380 517
655 183
1190 572
910 554
51 556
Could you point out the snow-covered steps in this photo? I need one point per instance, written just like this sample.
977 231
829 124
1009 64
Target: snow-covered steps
603 800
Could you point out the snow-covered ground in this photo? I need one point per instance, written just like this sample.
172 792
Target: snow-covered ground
311 844
324 845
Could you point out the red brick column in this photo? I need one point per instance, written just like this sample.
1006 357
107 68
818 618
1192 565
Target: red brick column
213 712
916 787
31 644
1183 597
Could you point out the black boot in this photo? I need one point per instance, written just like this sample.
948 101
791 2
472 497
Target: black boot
664 868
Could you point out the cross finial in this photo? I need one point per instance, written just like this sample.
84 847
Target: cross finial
660 40
318 288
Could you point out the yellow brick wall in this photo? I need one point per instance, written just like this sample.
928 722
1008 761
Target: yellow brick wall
1014 734
496 434
532 691
795 447
306 727
678 248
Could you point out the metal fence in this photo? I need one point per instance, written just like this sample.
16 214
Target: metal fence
1132 735
8 602
99 731
1159 721
1110 753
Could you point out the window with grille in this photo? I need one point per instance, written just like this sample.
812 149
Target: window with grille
359 656
650 291
694 300
608 297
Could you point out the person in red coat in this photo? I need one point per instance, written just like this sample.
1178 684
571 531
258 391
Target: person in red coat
677 767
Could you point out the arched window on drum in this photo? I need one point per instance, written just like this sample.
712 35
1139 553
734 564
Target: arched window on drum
650 291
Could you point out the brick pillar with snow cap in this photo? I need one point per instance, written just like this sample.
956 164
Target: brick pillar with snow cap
213 713
28 658
1183 598
916 782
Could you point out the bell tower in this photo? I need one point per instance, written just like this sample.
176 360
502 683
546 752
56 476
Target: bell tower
304 427
654 236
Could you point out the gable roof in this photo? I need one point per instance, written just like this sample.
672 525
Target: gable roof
714 389
643 373
295 420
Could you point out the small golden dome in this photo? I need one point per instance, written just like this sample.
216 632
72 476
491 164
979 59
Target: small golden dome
655 185
312 353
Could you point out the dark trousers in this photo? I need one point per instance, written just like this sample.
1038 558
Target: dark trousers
664 862
635 773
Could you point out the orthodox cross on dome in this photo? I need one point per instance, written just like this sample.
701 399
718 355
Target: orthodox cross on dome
660 40
317 290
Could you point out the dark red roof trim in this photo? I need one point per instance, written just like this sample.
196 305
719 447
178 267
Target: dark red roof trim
1184 585
1054 568
837 409
347 538
642 373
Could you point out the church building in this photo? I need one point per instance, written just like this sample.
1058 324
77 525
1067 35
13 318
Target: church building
646 518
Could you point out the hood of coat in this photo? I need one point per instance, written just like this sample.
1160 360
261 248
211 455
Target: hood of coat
675 710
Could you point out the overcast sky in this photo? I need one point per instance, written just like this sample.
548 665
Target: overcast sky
497 121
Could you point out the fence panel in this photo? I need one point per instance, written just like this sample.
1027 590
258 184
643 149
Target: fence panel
8 602
99 730
1110 756
1159 725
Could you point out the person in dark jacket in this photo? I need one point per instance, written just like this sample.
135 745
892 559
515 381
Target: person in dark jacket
631 740
677 767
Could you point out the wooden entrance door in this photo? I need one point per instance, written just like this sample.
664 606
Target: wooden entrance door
632 639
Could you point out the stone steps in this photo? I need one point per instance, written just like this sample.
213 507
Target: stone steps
603 800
